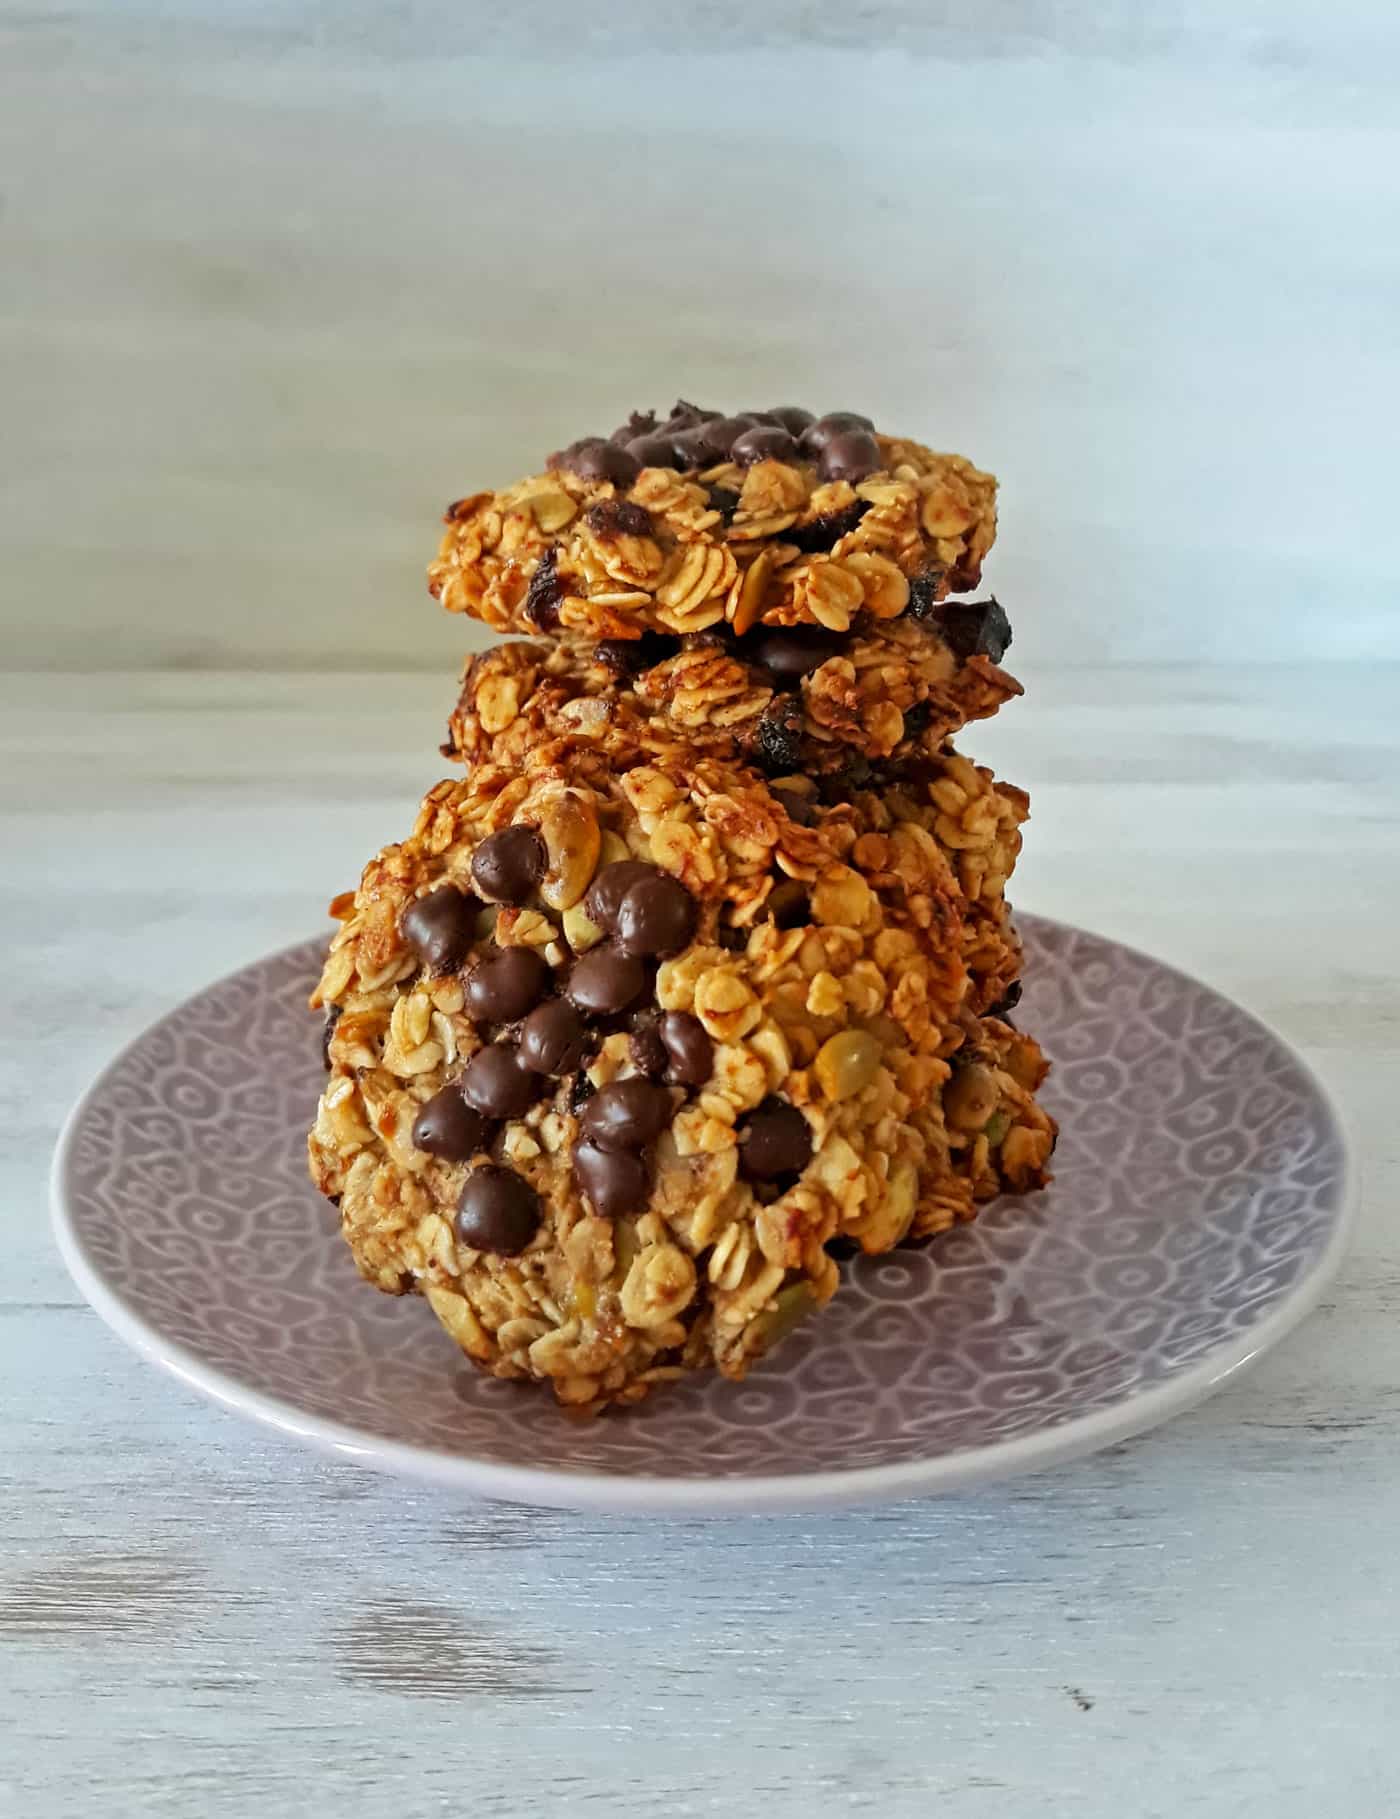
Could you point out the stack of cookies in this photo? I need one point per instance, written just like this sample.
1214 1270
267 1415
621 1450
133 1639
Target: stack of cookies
697 979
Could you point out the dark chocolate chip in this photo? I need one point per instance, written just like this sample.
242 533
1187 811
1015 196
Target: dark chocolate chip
509 864
618 518
973 628
496 1082
800 807
693 448
774 1140
647 1050
1008 1001
824 533
506 985
788 905
545 592
639 423
328 1030
630 656
790 652
827 428
499 1211
605 981
596 459
626 1114
765 442
656 917
916 719
847 780
853 455
605 894
685 415
778 736
724 432
448 1127
654 451
723 501
924 592
689 1051
553 1039
616 1181
793 419
441 927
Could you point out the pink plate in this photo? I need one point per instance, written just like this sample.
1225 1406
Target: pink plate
1201 1203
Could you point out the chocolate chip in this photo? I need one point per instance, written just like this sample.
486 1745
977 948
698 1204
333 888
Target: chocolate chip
685 415
611 885
656 917
823 533
647 1050
916 719
848 779
618 518
448 1127
689 1051
793 419
332 1018
553 1039
853 455
827 428
1008 1001
630 656
506 985
723 501
774 1140
605 981
790 652
778 736
974 628
639 423
545 592
765 442
495 1082
707 443
800 807
788 905
509 864
441 927
924 592
596 459
616 1181
626 1114
499 1211
654 451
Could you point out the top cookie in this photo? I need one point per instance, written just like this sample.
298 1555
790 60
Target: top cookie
764 518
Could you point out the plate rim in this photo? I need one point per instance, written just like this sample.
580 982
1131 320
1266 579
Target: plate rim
631 1493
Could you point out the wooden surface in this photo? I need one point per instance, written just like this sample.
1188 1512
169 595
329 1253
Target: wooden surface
278 280
199 1619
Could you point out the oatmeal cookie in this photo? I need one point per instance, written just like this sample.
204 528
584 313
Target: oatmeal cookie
531 704
616 1054
766 518
796 698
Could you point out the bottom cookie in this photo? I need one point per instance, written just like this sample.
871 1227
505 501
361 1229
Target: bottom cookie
617 1060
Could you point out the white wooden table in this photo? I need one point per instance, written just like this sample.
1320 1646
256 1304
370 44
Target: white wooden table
196 1618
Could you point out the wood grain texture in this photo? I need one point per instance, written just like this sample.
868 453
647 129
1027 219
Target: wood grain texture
279 281
197 1618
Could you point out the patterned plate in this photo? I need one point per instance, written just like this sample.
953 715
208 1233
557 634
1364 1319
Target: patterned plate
1201 1202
